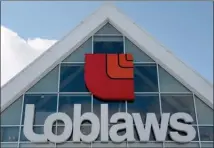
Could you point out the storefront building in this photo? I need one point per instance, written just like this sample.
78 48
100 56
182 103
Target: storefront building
172 105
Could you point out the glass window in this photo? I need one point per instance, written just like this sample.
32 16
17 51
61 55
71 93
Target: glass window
48 83
108 38
66 103
44 106
13 108
9 145
113 107
144 104
206 133
204 112
35 145
109 144
178 103
145 78
184 145
60 130
106 44
73 145
168 83
79 54
145 144
168 138
36 129
72 78
9 134
108 29
207 144
138 54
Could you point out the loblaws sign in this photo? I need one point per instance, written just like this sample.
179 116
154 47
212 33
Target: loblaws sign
110 78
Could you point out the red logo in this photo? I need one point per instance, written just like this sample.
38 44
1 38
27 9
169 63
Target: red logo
110 77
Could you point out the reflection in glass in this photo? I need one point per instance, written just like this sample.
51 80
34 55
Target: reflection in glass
206 133
44 106
9 145
79 54
73 145
49 83
7 113
138 54
35 145
145 78
113 107
204 112
168 83
207 144
108 47
182 145
145 145
178 103
66 103
9 134
72 78
144 104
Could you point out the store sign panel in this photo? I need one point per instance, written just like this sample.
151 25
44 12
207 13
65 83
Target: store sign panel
109 77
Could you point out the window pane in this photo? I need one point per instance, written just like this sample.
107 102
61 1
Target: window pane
36 129
13 108
145 144
9 145
108 38
178 103
48 83
60 130
66 103
108 46
145 78
207 145
109 144
205 113
72 78
168 138
206 133
108 29
179 145
79 54
44 106
144 104
138 54
73 145
168 83
9 134
113 107
35 145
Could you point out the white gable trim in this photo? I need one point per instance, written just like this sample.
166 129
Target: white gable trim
48 60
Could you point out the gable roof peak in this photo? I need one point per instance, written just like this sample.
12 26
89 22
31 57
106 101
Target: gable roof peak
108 3
68 44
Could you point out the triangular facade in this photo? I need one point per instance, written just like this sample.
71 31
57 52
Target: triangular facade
165 83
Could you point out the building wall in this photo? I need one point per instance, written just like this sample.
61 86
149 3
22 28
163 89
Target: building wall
156 91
